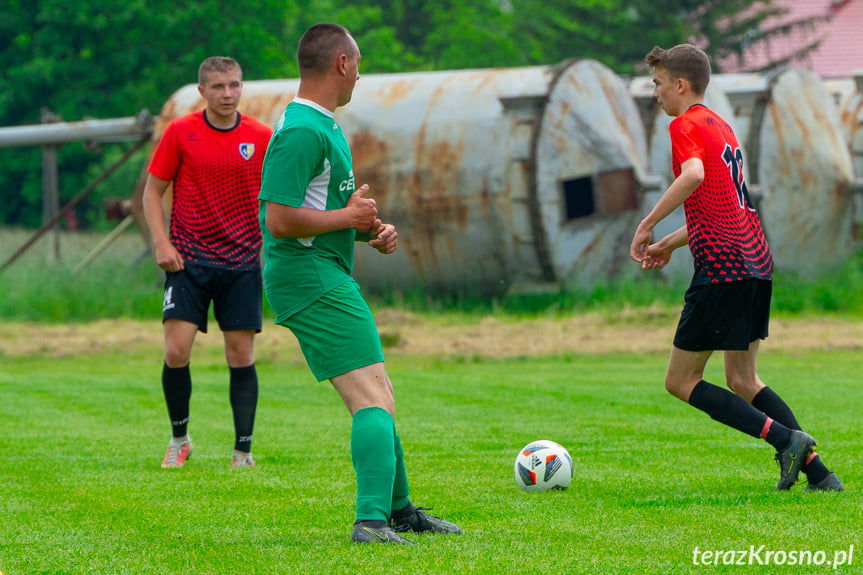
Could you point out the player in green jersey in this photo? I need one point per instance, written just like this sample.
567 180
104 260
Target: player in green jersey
311 214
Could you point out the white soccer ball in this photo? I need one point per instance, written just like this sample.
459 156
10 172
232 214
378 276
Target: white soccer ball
542 465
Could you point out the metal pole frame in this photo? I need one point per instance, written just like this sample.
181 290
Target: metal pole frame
47 226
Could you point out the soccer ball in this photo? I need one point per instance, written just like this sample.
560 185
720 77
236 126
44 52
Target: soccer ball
542 465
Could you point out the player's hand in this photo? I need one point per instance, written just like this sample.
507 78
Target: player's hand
655 258
384 237
168 258
364 212
640 241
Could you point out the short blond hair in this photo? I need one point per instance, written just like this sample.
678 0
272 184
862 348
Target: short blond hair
217 64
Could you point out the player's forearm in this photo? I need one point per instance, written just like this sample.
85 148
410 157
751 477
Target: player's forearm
674 240
154 214
287 222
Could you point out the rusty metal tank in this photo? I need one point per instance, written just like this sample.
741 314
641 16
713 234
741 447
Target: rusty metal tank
495 179
797 164
799 159
848 94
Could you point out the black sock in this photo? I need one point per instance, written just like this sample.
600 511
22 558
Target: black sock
177 386
373 523
407 511
777 434
774 406
732 410
244 401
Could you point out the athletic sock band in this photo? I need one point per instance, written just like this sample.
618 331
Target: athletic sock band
766 428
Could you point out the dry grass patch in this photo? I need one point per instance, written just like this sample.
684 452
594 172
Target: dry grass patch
631 331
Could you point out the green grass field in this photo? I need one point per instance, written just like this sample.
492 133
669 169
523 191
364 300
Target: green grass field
81 489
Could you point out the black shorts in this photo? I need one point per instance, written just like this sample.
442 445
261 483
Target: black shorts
724 316
236 296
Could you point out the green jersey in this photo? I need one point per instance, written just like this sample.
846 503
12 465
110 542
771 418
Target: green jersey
308 165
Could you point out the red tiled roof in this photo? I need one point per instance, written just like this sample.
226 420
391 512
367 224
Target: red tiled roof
838 31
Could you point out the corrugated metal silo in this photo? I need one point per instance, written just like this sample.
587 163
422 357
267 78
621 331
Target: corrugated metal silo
850 103
800 160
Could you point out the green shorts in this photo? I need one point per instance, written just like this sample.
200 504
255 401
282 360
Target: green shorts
337 333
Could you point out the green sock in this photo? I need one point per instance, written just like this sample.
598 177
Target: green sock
373 455
400 485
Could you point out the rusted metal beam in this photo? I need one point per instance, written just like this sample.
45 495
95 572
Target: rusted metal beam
111 130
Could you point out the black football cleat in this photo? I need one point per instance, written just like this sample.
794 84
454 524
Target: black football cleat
829 483
421 522
376 532
792 458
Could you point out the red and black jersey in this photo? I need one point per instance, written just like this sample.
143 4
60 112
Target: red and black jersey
216 177
726 238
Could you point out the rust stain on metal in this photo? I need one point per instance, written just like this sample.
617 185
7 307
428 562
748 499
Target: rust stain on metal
806 168
370 166
838 196
429 183
421 231
596 245
578 87
778 124
436 205
487 78
612 97
809 180
852 119
432 210
391 94
485 197
266 107
444 159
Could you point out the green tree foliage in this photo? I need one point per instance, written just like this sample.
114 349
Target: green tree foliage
619 33
113 58
556 29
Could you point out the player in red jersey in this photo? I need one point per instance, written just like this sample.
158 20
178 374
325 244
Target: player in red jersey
213 159
727 305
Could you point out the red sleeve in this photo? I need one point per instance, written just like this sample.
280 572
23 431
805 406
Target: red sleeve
686 141
266 135
167 157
